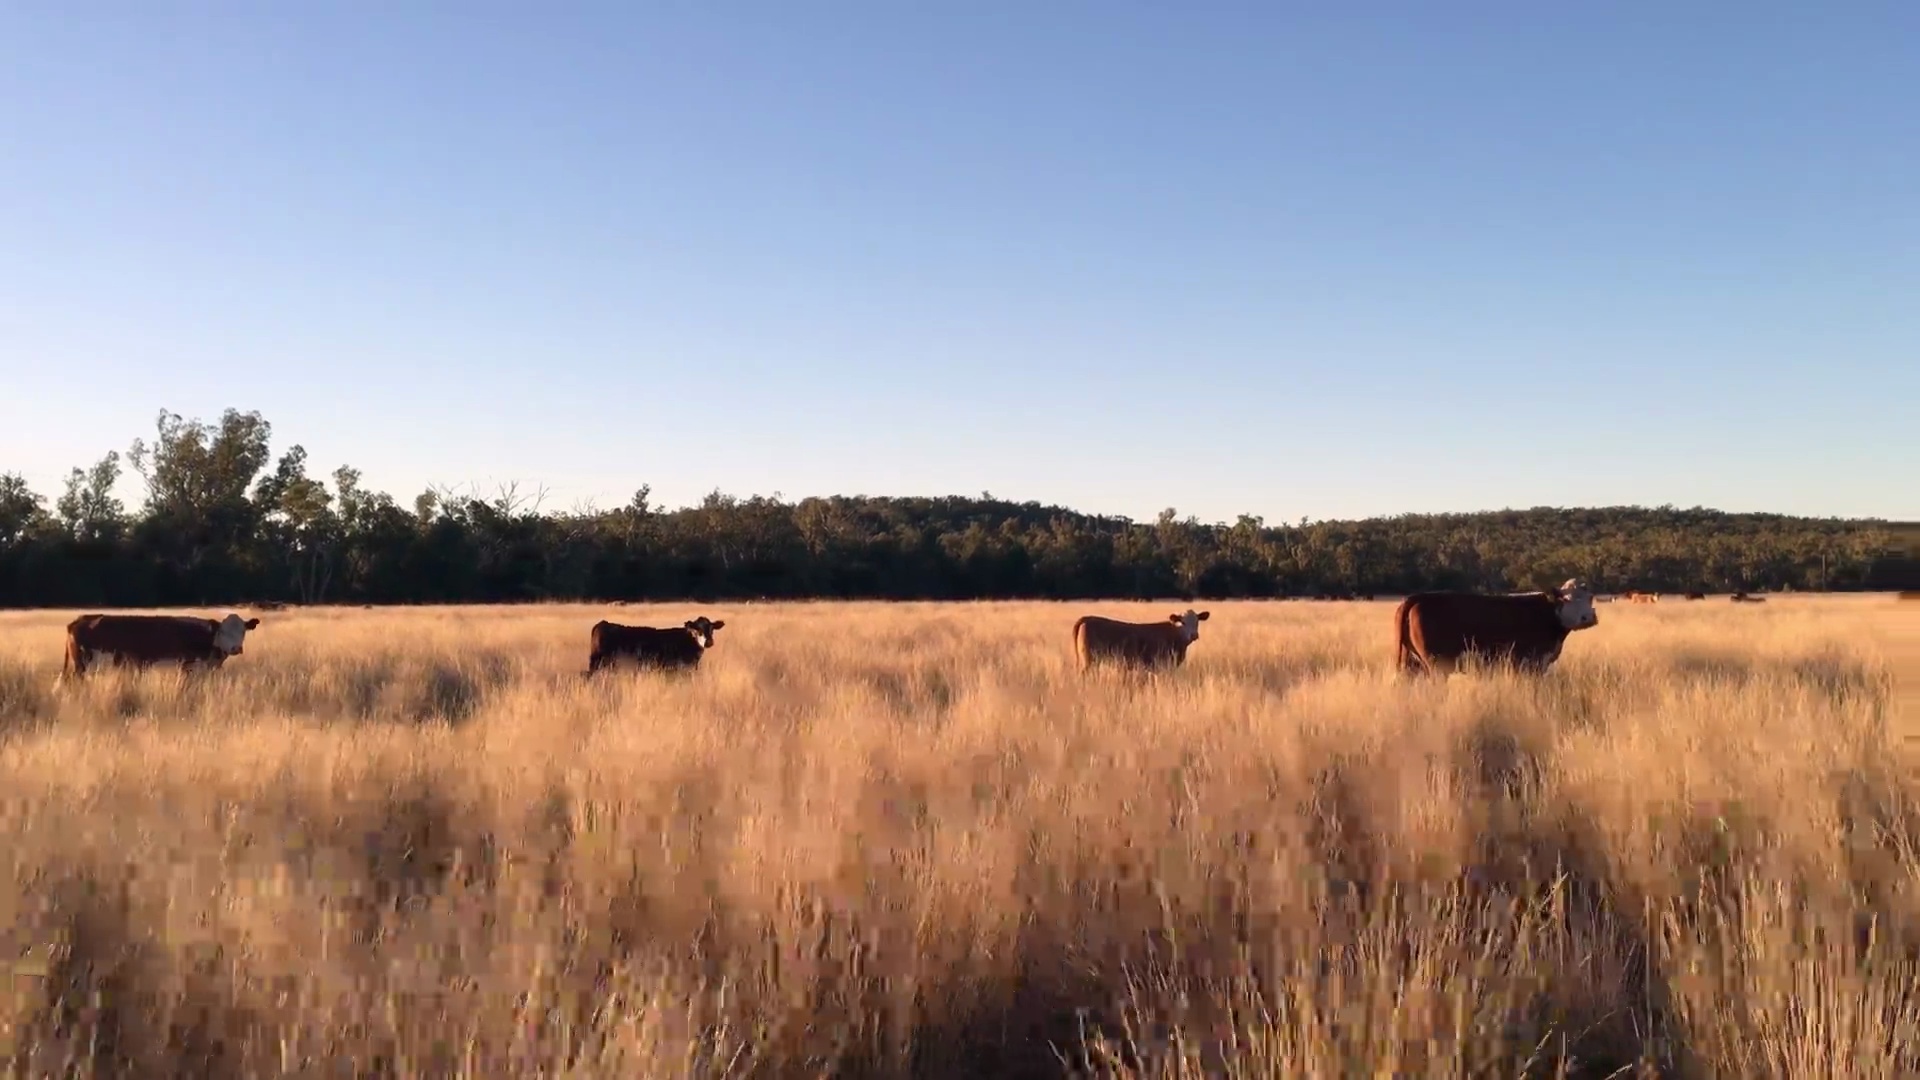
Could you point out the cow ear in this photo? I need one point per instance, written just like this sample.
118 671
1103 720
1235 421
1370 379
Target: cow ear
1173 618
251 623
690 625
719 623
1203 616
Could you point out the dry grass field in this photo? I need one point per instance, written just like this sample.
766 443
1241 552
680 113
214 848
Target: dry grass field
908 840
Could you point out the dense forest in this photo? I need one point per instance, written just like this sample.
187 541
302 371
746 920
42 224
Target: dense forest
224 522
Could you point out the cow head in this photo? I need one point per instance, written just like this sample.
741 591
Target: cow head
703 629
230 635
1573 602
1189 624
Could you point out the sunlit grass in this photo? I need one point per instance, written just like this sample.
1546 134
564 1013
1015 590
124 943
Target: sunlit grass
910 840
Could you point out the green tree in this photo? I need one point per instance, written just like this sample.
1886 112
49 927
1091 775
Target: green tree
88 510
20 509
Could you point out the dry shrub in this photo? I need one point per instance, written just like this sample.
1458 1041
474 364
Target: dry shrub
889 840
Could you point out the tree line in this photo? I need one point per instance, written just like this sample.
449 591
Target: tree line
224 522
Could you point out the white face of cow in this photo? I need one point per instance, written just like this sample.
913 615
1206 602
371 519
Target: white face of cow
1575 605
1189 624
703 629
231 634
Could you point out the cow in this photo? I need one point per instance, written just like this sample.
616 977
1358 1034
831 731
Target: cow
146 640
1434 630
1644 597
1147 645
674 647
1745 598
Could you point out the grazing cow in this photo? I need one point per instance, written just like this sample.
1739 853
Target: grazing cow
145 640
1434 630
1644 597
649 646
1744 598
1147 645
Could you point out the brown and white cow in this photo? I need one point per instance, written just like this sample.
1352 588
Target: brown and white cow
146 640
1433 631
1097 639
649 646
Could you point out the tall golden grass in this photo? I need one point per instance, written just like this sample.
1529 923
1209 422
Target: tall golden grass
892 840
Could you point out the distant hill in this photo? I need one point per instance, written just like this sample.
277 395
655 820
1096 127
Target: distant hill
224 523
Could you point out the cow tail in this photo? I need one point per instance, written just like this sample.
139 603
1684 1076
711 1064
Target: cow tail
1081 655
71 665
1403 637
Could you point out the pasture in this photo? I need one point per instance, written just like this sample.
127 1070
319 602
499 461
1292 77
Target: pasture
908 839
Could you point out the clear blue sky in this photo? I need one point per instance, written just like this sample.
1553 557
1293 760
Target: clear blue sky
1285 259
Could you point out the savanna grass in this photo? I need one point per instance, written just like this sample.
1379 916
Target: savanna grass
890 840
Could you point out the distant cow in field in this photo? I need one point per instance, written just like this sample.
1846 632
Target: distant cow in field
1433 631
1744 598
669 647
1644 597
146 640
1097 638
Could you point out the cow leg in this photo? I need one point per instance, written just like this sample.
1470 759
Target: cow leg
1412 662
1540 663
606 659
72 666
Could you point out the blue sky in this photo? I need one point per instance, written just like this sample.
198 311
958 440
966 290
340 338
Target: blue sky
1284 259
